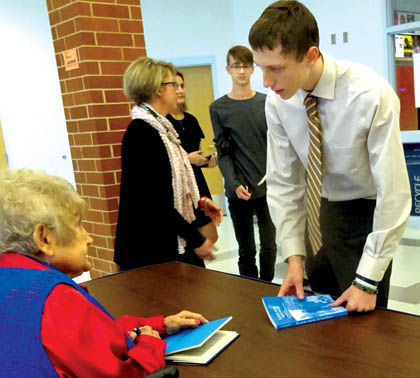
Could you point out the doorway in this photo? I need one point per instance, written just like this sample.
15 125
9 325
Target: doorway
199 88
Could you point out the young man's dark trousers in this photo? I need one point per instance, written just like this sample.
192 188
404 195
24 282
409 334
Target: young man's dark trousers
345 226
242 212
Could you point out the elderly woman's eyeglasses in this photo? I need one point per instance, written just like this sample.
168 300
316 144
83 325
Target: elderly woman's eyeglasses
174 83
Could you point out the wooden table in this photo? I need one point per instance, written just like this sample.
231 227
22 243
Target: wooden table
383 343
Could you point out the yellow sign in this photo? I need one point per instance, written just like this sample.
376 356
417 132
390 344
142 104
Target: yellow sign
70 59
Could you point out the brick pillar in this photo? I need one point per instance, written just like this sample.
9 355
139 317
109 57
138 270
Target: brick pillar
108 35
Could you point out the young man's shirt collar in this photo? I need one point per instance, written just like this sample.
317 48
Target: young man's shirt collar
325 87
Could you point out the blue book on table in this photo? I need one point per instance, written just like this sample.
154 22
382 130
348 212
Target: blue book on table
193 337
291 311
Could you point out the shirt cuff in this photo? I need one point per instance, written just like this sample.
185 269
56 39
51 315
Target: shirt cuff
372 268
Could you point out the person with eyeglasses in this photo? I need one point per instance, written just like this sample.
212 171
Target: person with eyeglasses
240 131
190 135
51 326
158 192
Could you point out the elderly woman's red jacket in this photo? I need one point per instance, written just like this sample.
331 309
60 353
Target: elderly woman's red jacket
69 317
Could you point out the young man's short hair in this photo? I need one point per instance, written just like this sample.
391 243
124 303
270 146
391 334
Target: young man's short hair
286 23
241 54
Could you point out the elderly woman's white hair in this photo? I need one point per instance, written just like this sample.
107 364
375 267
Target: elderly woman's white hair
28 198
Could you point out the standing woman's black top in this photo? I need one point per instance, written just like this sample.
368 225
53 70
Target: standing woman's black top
148 223
190 135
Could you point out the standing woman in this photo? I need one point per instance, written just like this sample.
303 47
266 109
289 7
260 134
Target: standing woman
190 134
158 189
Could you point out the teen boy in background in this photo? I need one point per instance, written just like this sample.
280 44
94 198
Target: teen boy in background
240 131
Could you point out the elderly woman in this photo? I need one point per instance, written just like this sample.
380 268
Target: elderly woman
49 325
158 188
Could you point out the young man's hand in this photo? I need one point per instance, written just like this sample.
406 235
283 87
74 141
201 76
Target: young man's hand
293 281
242 193
356 300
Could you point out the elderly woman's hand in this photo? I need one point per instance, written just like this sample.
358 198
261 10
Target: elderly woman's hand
184 319
146 330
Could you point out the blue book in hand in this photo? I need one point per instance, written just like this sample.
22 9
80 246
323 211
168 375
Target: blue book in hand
199 345
291 311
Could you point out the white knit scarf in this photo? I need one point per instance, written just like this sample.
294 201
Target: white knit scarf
186 194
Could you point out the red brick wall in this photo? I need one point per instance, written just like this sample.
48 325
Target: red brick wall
108 35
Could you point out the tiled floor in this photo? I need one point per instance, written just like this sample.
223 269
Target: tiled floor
405 279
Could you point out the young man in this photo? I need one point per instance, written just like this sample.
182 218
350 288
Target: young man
240 131
347 147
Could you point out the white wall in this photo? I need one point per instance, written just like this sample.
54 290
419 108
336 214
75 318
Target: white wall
31 108
183 31
190 28
190 31
246 12
365 22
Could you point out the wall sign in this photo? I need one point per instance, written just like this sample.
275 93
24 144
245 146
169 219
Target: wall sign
412 158
70 59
